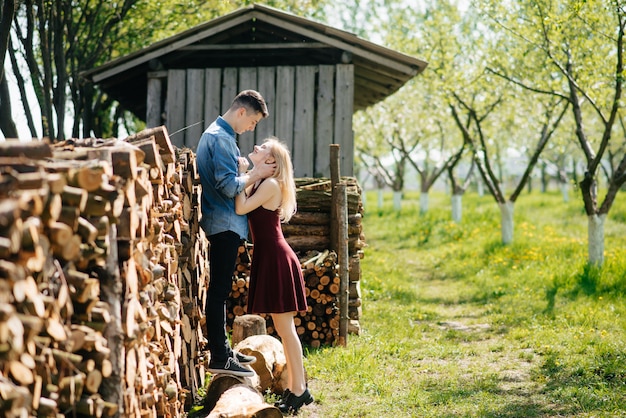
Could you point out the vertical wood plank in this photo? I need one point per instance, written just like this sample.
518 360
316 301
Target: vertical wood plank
212 95
324 119
195 108
304 122
266 78
175 107
229 88
285 82
344 107
247 80
153 102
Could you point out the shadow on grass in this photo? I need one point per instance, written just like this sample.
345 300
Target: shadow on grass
591 280
511 403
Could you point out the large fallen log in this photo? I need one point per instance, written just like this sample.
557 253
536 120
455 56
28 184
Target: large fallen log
271 365
242 401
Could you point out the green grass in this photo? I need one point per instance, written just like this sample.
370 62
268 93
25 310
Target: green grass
455 324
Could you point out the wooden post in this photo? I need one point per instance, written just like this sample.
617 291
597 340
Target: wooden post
342 254
339 239
334 180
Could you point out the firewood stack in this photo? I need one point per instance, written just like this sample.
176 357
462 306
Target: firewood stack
308 233
102 265
309 230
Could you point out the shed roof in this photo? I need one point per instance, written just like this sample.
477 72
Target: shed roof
258 36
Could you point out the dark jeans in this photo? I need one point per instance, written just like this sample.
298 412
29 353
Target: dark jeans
223 255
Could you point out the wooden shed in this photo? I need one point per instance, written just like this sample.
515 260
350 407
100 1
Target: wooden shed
312 76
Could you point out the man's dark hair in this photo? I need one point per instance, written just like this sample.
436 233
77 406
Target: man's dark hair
252 101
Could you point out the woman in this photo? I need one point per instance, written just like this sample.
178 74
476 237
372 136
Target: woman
276 282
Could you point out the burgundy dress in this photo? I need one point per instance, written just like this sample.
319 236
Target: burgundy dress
276 282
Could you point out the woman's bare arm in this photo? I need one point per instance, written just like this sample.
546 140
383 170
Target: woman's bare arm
267 195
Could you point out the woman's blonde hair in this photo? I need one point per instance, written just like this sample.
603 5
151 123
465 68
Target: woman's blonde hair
284 175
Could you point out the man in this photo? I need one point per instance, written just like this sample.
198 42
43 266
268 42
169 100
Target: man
217 157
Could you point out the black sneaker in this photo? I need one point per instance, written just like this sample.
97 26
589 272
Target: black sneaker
243 359
230 366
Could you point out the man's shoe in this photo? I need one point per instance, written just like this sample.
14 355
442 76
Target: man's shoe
230 366
243 359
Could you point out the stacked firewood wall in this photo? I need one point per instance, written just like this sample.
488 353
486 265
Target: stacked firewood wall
102 267
308 233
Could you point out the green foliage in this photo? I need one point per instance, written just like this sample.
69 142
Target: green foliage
461 325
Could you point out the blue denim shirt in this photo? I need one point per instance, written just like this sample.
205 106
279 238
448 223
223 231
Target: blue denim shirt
216 157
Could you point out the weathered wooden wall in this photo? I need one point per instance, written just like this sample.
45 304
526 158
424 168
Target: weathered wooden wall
310 108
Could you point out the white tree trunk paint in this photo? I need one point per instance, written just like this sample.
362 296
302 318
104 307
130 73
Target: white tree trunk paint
481 187
397 200
364 198
380 198
457 207
565 191
423 202
506 212
596 239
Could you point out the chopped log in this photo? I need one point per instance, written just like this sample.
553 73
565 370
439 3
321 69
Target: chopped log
245 402
31 181
21 373
247 325
310 218
89 176
217 386
74 197
299 242
162 139
271 365
290 230
86 230
60 233
150 149
125 161
36 150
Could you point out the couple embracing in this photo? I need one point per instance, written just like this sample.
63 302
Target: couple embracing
233 200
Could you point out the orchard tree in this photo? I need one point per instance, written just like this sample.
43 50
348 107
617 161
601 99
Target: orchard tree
437 35
480 140
420 135
581 43
7 126
379 130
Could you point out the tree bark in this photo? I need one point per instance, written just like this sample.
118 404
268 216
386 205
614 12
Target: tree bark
423 202
506 212
457 207
596 239
397 200
8 10
7 125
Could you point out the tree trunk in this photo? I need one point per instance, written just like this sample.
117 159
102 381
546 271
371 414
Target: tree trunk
457 207
379 194
397 200
596 239
480 186
506 212
423 202
565 191
8 10
7 126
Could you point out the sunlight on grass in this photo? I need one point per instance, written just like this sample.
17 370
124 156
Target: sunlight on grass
457 324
